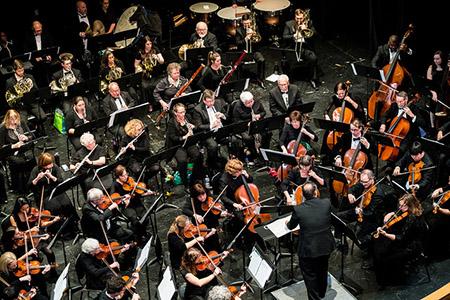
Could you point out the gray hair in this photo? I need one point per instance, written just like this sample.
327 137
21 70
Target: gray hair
112 84
283 77
94 194
246 96
89 245
219 292
86 138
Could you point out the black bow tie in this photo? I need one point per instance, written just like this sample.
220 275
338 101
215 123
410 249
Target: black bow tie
356 139
82 16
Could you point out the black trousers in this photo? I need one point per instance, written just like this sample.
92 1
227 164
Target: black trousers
315 272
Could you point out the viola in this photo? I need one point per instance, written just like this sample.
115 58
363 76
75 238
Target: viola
34 267
203 262
395 218
217 208
444 198
191 230
106 201
116 249
367 198
414 170
394 73
138 187
248 194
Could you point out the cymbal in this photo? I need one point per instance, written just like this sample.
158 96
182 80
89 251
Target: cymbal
203 7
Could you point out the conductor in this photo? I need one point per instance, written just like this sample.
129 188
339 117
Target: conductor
316 241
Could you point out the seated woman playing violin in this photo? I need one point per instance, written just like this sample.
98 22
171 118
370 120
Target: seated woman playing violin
94 270
292 130
298 176
26 219
15 271
416 167
43 179
176 239
123 186
398 241
135 146
197 282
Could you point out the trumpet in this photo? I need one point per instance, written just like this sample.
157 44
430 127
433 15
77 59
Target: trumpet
22 86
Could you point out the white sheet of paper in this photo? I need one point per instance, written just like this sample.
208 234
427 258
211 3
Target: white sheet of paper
61 284
263 274
279 228
142 259
166 287
273 77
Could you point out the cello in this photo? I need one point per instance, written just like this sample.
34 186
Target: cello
394 73
345 114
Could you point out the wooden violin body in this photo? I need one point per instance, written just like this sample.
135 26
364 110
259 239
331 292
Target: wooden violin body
397 131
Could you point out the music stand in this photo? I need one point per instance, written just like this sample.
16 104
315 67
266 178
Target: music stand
333 174
141 260
130 80
84 87
189 99
279 157
198 137
260 268
266 124
380 139
368 73
232 86
120 117
341 226
229 130
304 108
68 184
61 284
90 126
197 55
166 287
52 51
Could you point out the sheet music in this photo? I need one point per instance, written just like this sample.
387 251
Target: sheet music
279 228
142 259
273 77
61 284
166 288
259 268
354 69
111 119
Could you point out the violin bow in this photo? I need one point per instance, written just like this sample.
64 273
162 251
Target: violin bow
29 230
116 274
135 186
195 219
26 249
107 194
107 241
41 204
215 201
258 203
423 169
368 190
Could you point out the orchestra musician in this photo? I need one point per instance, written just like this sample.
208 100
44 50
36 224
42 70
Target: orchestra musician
7 47
292 129
116 287
298 31
46 176
136 144
283 96
27 83
197 282
93 269
221 292
444 158
147 60
178 131
435 73
111 68
169 86
213 73
116 99
342 94
247 38
80 114
316 241
385 53
298 176
135 208
176 241
90 157
398 241
13 133
203 36
416 159
209 115
249 109
97 210
9 265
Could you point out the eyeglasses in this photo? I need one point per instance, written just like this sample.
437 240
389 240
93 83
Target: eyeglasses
354 129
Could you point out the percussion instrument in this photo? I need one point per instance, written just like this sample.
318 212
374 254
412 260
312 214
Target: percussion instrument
231 16
271 10
124 24
203 10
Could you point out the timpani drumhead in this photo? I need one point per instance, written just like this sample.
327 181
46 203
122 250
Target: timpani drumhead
272 5
230 13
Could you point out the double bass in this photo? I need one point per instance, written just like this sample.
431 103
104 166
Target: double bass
394 73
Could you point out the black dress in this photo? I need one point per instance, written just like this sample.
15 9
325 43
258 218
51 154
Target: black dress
73 120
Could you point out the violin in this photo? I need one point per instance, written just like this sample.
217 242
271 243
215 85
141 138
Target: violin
32 234
33 215
367 198
394 73
217 208
34 267
203 261
115 247
346 116
414 172
395 218
191 230
106 201
138 187
444 198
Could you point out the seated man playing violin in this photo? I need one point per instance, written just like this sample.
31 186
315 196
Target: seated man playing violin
130 193
416 169
117 288
97 215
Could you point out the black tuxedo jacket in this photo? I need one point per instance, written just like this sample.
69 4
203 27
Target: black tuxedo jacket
59 74
210 40
382 57
11 81
276 102
30 42
109 104
314 218
200 115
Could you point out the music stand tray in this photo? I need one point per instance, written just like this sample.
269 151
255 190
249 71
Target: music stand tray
121 116
99 123
160 156
229 130
304 108
197 54
85 87
129 80
381 139
277 156
267 124
67 184
336 175
233 86
52 51
332 125
188 99
368 72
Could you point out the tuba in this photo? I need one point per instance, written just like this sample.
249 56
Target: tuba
22 86
114 74
197 44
